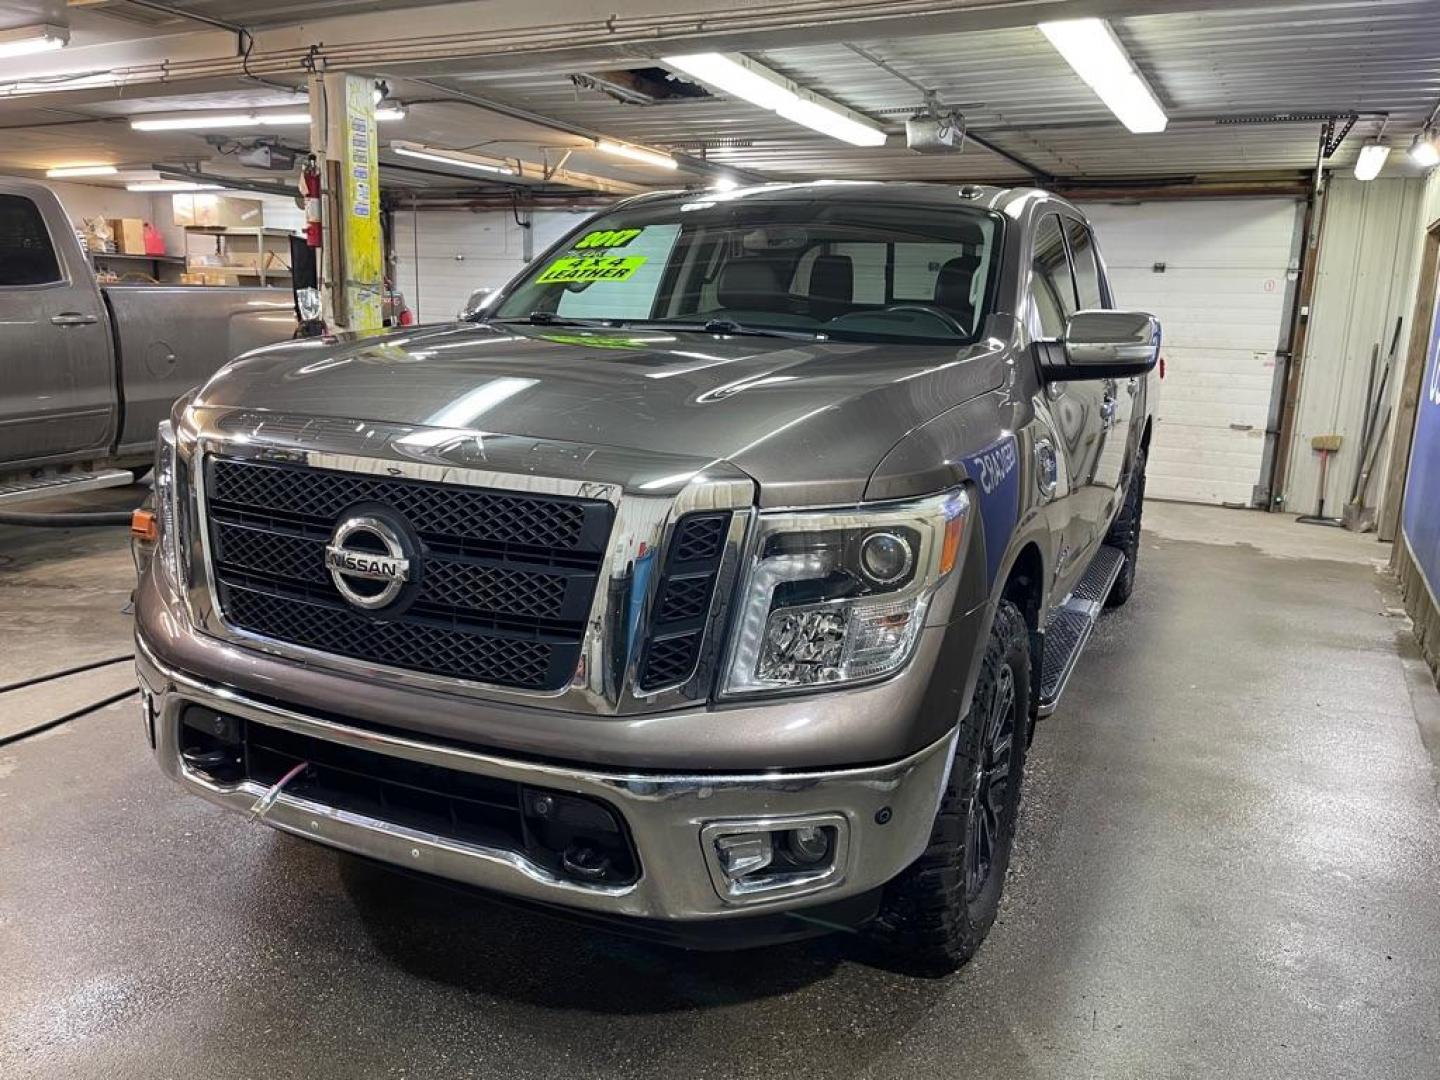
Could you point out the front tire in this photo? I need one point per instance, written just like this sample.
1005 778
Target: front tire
1125 533
938 911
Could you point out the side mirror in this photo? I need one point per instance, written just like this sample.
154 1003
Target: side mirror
479 300
1104 345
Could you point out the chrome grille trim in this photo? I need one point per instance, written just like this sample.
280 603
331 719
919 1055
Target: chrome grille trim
648 498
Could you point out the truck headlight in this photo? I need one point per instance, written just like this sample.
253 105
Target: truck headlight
160 509
163 490
840 596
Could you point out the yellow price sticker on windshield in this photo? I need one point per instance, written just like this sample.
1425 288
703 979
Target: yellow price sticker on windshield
591 268
607 238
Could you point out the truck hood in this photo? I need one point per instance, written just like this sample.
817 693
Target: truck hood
808 420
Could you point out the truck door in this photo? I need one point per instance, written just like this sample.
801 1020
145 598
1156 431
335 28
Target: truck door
1117 400
57 384
1075 410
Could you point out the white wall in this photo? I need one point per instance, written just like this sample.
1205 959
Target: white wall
463 250
1221 301
89 201
1364 282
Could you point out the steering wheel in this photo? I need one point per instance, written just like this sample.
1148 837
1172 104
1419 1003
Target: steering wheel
935 312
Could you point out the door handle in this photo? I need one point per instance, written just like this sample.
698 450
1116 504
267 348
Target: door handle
73 318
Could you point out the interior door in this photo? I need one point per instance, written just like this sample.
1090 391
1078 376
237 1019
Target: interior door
1077 409
57 391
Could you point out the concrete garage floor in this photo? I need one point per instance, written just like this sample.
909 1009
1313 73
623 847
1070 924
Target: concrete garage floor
1228 865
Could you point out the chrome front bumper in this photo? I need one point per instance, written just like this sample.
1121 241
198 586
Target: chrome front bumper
888 811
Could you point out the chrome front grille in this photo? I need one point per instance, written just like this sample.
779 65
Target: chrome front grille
506 583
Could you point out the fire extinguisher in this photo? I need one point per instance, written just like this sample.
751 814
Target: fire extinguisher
310 191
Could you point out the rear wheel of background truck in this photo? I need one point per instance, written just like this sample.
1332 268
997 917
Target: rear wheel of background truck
1125 534
936 914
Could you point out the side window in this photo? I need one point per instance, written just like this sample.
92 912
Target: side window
633 296
26 254
1052 286
1087 266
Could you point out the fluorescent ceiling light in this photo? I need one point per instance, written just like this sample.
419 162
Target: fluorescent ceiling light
739 76
214 121
457 158
827 121
1092 49
1425 150
83 170
1371 161
33 39
724 183
736 75
636 153
171 186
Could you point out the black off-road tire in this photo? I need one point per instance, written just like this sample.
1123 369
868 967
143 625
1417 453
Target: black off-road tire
935 915
1125 533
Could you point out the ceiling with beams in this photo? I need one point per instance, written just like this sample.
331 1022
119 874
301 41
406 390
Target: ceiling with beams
1209 64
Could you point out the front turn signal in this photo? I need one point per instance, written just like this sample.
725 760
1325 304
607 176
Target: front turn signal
144 526
950 548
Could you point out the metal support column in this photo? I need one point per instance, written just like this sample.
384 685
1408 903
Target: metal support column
352 262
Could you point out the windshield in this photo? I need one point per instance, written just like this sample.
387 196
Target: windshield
842 269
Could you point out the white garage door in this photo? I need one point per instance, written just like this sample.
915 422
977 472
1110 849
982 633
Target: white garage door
1215 271
463 250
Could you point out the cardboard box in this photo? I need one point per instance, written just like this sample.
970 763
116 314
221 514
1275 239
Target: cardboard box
129 235
217 212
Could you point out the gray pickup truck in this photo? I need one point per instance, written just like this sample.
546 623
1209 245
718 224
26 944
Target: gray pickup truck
707 583
88 371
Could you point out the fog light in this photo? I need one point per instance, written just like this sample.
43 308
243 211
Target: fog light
744 853
809 845
757 860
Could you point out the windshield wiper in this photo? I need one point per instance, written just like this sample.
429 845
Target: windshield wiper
730 326
549 318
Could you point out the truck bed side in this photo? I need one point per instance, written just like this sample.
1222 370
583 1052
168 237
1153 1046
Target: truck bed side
171 338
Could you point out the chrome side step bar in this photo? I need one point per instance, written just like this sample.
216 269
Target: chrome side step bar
1069 628
74 483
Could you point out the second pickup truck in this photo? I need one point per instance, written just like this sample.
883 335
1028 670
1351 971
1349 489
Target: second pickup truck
88 371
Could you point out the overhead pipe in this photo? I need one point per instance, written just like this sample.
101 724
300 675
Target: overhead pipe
650 32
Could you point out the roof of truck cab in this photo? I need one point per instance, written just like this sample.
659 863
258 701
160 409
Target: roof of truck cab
979 196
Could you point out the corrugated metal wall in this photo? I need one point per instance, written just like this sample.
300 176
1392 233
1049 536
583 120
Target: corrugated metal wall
463 250
1363 283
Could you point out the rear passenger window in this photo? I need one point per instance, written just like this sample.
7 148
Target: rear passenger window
1052 287
26 255
1087 266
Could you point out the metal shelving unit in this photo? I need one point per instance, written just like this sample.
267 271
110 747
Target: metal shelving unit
225 237
161 266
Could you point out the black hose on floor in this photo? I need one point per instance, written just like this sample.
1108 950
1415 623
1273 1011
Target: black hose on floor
73 715
67 521
76 670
